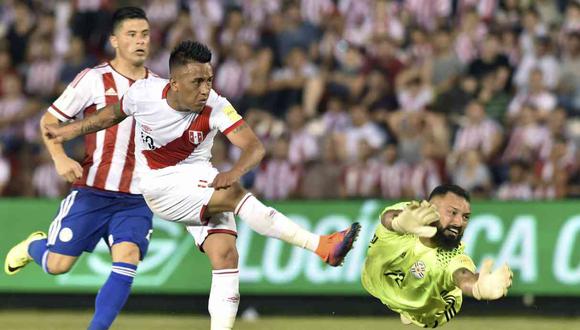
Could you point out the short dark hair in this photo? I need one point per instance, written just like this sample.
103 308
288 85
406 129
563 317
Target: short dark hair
443 189
125 13
189 51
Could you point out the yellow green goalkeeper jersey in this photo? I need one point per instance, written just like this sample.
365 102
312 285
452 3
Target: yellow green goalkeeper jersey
413 279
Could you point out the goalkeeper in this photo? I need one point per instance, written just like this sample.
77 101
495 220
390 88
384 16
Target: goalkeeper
415 263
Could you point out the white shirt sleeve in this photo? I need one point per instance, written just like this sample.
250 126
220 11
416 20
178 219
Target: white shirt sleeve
224 117
128 104
78 95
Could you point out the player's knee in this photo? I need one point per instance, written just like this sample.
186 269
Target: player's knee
126 252
225 258
57 265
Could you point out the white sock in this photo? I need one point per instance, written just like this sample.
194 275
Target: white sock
224 298
269 222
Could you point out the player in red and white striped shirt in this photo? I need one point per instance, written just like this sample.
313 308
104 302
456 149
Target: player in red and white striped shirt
104 202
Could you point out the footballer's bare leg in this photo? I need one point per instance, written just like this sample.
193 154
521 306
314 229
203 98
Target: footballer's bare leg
269 222
224 296
57 263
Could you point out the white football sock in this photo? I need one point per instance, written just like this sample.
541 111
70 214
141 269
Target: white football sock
224 298
269 222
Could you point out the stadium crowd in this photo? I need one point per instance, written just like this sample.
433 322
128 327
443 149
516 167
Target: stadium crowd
352 98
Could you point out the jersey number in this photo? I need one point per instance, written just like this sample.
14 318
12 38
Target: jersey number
397 276
148 141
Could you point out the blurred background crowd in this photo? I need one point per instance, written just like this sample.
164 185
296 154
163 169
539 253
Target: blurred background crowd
352 98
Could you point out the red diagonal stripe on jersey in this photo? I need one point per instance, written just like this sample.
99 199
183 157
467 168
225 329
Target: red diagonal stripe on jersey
110 135
127 175
90 146
179 149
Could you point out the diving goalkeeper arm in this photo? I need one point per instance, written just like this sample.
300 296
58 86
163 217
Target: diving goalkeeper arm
415 219
487 284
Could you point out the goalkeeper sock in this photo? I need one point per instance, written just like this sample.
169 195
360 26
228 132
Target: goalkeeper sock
269 222
224 298
113 295
39 252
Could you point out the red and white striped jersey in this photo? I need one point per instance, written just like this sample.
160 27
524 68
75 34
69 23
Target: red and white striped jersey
109 154
394 179
166 137
477 136
277 179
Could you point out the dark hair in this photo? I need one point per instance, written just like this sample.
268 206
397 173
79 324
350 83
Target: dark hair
125 13
443 189
189 51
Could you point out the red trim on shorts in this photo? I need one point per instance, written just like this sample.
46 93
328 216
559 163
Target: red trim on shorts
60 112
216 231
234 126
217 272
242 203
222 231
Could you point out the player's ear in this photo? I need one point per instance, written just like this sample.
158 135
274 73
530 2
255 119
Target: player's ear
173 83
114 42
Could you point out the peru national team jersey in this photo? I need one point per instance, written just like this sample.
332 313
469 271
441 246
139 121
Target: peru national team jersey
166 137
109 154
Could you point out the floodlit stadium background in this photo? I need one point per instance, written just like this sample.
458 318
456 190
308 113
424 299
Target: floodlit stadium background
359 103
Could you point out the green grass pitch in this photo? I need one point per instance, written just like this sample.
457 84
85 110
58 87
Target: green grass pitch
65 320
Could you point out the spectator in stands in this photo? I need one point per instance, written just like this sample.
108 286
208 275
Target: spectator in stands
362 129
5 172
542 58
528 137
569 88
45 180
536 95
19 32
477 132
472 174
321 177
361 177
518 186
444 68
302 146
394 174
277 178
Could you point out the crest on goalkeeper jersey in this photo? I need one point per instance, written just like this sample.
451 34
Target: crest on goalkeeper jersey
418 269
195 137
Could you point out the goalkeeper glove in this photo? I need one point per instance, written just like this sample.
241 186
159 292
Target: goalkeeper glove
492 285
416 219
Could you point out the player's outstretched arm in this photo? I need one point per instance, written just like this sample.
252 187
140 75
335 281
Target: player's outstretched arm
415 219
105 118
253 151
66 167
487 284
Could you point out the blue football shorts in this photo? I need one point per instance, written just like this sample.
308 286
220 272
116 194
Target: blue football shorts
86 215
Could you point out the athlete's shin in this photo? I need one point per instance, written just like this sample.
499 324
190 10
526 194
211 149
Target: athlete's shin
224 298
269 222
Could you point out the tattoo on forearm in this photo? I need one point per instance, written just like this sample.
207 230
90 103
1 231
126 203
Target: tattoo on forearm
239 128
89 126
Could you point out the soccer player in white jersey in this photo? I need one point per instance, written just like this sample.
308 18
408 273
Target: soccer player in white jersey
177 120
105 201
